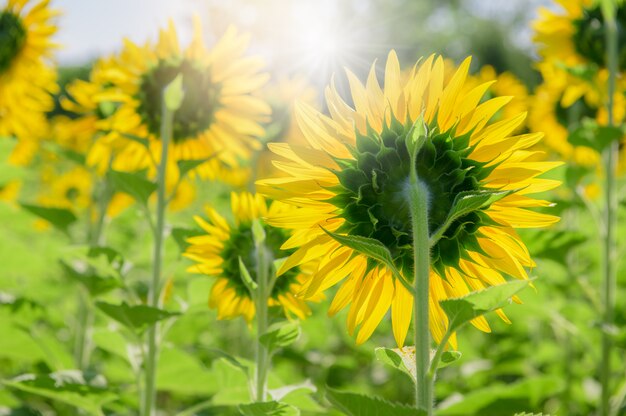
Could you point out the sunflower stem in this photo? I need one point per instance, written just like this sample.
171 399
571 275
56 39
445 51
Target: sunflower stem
149 399
418 203
262 294
85 310
610 224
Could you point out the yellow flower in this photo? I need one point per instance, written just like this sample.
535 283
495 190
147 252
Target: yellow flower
71 190
220 114
503 85
575 35
217 253
350 180
282 96
559 105
27 78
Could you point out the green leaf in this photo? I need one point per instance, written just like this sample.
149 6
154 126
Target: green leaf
466 202
462 310
181 235
136 317
186 166
556 245
449 357
401 359
133 184
280 335
500 398
590 134
417 136
258 232
60 218
173 94
69 386
268 409
141 140
353 404
371 248
95 283
247 279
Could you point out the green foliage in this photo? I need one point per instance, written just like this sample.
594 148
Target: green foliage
70 387
181 235
134 184
280 335
500 399
174 94
60 218
268 409
589 133
186 166
135 317
373 249
353 404
462 310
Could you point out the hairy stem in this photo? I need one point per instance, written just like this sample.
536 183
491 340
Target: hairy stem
418 202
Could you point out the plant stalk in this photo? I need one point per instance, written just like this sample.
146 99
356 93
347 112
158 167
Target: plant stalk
262 353
610 243
418 203
85 310
149 399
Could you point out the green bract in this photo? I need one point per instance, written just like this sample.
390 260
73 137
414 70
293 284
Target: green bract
371 194
12 38
197 110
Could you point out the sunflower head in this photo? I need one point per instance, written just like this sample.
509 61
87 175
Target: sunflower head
27 75
12 38
589 36
218 251
220 116
197 111
352 178
371 194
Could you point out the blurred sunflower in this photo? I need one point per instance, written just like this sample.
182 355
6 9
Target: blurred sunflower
220 114
27 78
350 179
559 105
575 34
282 96
217 254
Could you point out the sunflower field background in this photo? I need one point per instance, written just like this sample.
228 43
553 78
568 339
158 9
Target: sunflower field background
296 207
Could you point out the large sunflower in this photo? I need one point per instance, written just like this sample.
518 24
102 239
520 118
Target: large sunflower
350 177
218 251
220 114
27 77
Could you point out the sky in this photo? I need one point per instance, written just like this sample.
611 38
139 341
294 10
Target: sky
92 28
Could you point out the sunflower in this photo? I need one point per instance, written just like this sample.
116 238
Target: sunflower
27 77
575 35
282 96
504 84
220 114
349 179
217 253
